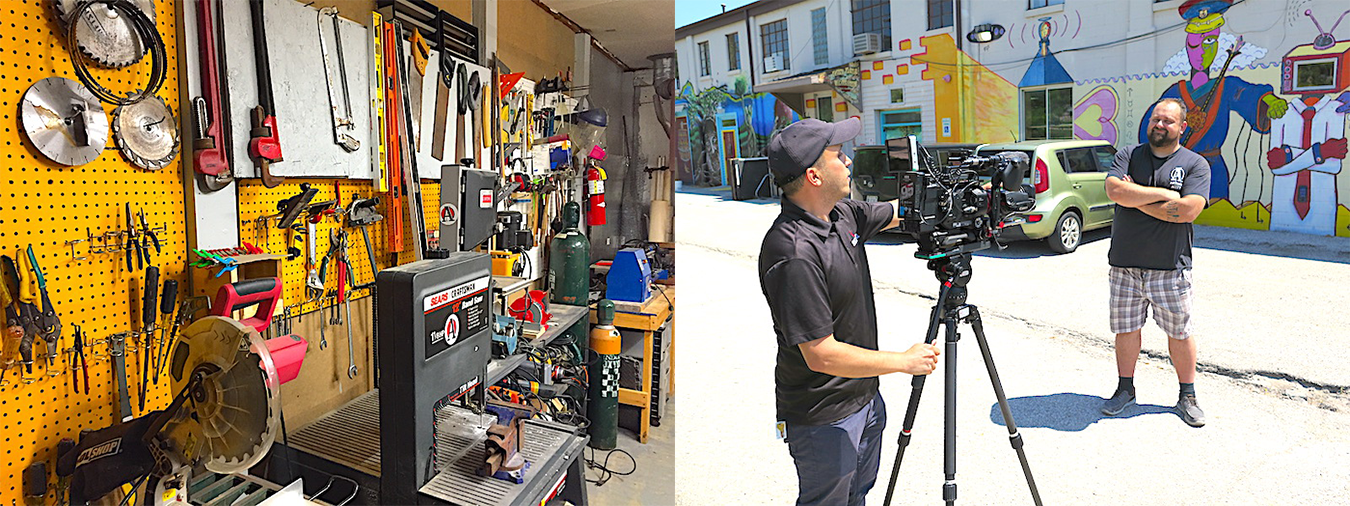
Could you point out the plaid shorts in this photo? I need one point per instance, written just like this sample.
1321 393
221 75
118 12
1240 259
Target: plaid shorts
1133 290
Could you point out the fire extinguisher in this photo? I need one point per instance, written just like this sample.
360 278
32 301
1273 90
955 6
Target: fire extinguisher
595 189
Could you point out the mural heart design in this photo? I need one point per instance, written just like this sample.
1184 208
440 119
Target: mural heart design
1094 117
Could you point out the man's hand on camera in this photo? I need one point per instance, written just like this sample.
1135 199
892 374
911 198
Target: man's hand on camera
921 359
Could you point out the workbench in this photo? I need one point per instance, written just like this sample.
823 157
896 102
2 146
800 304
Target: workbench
647 318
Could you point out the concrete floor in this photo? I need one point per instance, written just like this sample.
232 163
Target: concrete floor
653 482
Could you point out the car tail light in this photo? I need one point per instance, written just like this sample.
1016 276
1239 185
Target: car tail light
1041 179
1034 218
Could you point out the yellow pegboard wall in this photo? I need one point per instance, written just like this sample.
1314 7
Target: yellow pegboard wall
46 204
256 201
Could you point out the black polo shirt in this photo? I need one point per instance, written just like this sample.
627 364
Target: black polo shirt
816 279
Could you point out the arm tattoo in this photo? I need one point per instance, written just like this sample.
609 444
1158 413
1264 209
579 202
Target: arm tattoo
1172 209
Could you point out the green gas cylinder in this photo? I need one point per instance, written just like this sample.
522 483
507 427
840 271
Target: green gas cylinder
569 273
603 405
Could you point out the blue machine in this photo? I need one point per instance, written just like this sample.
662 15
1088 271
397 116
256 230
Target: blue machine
630 277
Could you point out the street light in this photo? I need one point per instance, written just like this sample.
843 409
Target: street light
984 33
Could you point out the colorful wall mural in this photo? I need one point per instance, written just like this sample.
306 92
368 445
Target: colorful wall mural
1270 120
711 112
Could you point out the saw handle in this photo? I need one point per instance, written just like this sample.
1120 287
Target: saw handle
263 292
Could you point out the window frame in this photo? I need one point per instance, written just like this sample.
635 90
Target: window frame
1050 125
820 37
1032 4
882 124
704 59
946 14
872 12
771 49
828 108
733 51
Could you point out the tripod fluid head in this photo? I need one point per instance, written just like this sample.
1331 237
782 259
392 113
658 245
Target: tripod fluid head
954 272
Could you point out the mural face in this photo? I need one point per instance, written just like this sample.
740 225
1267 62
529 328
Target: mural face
708 113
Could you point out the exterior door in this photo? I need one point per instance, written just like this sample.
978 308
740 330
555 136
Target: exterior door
727 140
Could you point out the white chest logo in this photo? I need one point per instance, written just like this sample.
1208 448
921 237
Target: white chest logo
1175 180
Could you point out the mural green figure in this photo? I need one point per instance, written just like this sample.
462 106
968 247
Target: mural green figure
757 116
1210 101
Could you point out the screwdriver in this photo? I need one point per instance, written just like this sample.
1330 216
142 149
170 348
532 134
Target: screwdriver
148 324
167 301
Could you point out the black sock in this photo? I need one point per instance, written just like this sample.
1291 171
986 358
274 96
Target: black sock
1126 384
1188 388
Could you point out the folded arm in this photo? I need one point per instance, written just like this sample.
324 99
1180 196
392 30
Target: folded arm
1127 193
1182 210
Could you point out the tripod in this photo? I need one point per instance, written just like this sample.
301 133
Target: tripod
954 272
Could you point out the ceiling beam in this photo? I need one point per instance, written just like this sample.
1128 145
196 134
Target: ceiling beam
576 28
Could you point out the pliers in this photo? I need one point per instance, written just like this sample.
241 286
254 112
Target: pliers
25 302
48 320
79 356
147 233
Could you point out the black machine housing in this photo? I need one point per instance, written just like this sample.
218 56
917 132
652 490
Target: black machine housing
958 208
468 212
434 335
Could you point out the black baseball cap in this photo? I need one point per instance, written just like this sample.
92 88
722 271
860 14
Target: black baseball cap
800 144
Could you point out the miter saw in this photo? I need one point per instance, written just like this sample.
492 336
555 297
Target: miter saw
224 418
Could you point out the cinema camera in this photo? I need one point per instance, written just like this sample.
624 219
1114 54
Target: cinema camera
958 208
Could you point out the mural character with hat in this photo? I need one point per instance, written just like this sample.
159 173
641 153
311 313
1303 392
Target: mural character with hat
1211 98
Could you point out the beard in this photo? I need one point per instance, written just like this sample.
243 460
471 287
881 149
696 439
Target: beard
1159 138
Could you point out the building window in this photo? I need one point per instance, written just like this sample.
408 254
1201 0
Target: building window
1048 113
733 51
824 109
704 66
897 95
1036 4
873 16
896 124
820 37
939 14
774 40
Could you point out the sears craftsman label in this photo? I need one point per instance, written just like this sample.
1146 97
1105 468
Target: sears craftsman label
455 314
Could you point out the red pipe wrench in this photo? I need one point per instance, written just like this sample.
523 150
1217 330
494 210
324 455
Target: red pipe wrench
210 154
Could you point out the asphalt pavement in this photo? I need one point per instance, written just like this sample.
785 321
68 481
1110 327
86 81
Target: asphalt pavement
1273 379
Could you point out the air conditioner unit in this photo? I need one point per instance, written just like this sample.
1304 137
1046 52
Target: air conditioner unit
773 63
866 43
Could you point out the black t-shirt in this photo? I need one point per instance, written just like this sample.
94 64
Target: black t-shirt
815 277
1140 240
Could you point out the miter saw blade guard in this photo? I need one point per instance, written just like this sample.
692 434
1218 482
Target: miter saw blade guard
224 416
230 416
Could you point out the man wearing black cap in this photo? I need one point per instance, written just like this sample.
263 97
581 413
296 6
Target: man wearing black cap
813 271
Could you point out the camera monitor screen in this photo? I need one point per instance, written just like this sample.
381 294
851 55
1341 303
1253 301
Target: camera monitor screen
903 153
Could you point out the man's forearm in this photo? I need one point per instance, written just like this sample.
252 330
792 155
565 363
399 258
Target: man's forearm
1129 194
830 356
1181 210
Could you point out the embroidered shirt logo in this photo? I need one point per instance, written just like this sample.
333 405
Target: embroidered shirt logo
1176 179
855 238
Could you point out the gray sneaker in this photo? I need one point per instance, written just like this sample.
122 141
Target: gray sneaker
1190 411
1118 402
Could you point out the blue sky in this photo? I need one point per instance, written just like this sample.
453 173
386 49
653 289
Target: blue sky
689 11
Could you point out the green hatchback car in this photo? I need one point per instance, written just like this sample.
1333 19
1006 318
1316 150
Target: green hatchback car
1070 182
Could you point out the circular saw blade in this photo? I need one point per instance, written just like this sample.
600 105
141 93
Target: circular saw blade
231 418
64 121
105 35
146 132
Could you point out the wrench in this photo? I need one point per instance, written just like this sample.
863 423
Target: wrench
342 299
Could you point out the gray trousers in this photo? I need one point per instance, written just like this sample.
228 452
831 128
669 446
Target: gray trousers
837 463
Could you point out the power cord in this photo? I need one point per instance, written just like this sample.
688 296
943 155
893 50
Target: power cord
605 472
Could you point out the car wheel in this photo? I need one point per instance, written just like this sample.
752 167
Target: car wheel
1068 233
